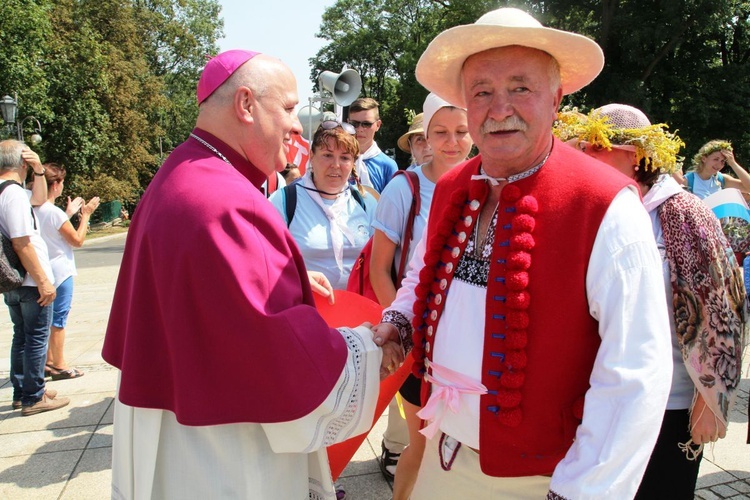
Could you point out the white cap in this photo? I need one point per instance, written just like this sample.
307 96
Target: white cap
432 104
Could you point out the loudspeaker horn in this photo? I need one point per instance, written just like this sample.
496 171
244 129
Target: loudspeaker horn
310 117
344 87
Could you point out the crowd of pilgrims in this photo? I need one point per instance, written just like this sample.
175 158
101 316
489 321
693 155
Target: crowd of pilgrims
335 209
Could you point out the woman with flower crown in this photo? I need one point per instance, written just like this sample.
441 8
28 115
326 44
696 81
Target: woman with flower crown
705 178
704 289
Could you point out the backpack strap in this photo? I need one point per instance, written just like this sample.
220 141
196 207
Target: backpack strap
6 184
358 197
416 203
290 201
690 176
10 183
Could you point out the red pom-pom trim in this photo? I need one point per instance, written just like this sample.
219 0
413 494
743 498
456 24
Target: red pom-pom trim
421 290
510 418
458 197
519 261
430 260
527 205
522 241
510 380
517 320
516 339
511 193
518 300
516 360
508 398
420 306
523 223
418 349
452 214
445 228
517 281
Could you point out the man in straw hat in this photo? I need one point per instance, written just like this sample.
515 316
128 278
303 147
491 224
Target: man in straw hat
536 300
231 383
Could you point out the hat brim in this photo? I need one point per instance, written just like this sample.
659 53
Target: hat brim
403 141
439 67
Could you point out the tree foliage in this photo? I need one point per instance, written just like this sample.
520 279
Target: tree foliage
112 81
684 63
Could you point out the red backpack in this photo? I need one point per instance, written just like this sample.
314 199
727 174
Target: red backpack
359 279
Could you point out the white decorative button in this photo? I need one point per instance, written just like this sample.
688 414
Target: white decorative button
468 220
443 284
461 237
433 315
474 204
449 267
427 347
438 299
429 331
455 252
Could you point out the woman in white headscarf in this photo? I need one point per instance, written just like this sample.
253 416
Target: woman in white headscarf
329 219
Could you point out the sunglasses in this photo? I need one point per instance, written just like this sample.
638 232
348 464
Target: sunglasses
357 124
332 124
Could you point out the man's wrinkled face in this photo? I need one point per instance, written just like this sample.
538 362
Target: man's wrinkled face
512 100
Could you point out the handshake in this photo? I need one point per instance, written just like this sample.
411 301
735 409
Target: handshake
384 335
387 337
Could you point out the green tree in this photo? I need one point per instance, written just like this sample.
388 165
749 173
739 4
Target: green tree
25 31
178 36
112 82
684 63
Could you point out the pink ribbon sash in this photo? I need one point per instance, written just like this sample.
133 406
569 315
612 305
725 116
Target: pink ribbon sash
447 387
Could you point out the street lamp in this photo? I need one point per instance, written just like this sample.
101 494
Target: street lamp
8 108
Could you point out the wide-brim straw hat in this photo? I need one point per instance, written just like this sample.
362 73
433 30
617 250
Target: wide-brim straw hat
439 67
414 129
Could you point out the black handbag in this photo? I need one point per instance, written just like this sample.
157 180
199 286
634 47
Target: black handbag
12 271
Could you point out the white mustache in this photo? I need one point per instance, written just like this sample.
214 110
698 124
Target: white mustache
510 123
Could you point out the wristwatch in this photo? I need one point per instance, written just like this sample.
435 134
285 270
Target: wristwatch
43 171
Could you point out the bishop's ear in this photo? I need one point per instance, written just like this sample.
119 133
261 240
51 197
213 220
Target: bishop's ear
244 104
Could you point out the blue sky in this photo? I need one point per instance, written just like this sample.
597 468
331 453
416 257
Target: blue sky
283 29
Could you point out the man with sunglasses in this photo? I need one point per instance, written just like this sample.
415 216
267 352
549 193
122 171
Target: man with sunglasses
374 167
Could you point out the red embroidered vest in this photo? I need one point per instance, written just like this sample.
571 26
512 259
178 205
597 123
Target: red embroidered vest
540 340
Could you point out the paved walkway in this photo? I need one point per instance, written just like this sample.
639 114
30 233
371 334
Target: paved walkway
66 454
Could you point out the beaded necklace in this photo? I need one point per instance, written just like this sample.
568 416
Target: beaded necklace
211 148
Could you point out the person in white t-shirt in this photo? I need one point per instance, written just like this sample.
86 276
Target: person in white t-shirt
29 304
61 237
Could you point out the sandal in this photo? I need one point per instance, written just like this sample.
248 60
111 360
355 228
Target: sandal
58 374
388 461
340 493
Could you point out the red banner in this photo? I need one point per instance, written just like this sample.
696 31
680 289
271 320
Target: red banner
353 310
299 154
